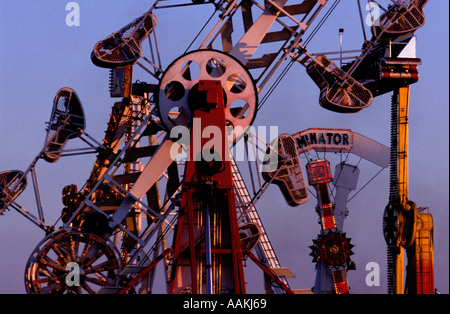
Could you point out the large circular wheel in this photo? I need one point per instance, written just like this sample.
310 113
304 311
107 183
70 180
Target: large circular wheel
181 79
72 262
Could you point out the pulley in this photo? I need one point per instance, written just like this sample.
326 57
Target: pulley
176 99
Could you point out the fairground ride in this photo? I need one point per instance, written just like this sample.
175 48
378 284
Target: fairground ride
154 197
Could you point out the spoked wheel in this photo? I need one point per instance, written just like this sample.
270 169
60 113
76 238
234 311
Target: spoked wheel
72 262
179 86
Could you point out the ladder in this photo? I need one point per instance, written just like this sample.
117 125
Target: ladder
248 213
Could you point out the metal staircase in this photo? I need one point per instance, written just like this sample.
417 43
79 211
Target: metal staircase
247 213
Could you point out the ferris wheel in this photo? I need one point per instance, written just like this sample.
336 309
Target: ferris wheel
143 205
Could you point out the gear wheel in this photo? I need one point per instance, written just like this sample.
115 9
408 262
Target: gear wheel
333 248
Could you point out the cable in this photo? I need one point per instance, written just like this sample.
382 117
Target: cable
195 38
365 184
275 84
289 66
322 21
362 21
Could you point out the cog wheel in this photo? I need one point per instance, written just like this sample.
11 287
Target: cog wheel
178 85
72 262
390 224
333 248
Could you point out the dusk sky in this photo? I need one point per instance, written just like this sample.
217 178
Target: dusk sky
40 53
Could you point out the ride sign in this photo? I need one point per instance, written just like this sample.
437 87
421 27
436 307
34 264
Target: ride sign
324 140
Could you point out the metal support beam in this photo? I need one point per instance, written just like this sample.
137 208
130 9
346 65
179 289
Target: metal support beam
402 98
